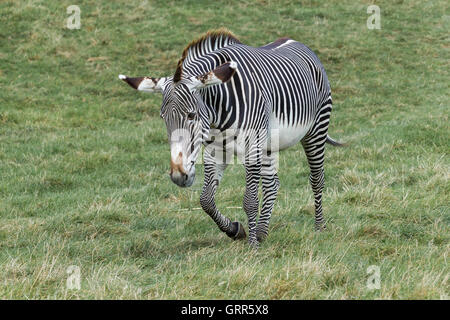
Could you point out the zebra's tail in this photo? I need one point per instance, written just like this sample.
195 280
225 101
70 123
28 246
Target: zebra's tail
334 142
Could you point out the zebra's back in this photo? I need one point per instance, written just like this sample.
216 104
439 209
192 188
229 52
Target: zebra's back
283 83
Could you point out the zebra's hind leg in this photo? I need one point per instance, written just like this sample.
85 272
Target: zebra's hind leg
314 145
270 185
213 175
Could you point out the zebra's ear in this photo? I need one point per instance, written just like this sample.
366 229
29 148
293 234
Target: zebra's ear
219 75
146 84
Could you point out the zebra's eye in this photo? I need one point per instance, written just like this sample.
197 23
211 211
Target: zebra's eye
191 115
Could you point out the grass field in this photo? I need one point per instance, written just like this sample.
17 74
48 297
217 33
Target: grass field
84 159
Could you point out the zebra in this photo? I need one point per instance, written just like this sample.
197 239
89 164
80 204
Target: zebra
221 84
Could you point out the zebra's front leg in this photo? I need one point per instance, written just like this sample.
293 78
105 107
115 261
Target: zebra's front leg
251 201
213 175
270 185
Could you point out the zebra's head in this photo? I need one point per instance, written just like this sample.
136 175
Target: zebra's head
185 115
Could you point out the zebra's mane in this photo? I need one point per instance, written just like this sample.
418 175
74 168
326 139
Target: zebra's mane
210 41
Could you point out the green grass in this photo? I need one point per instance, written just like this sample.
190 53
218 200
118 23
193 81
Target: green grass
84 159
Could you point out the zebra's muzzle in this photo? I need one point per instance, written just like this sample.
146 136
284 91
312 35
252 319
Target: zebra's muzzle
183 179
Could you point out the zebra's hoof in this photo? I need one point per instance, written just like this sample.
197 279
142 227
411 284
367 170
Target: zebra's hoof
254 245
240 233
261 237
321 228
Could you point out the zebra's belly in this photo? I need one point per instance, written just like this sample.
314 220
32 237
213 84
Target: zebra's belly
283 136
280 137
